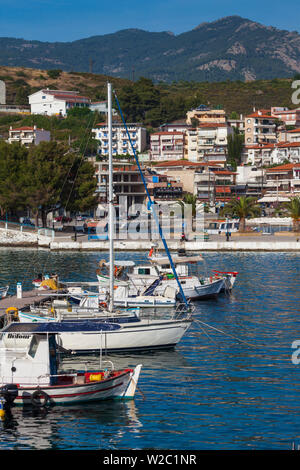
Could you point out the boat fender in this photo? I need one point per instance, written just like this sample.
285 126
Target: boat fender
39 398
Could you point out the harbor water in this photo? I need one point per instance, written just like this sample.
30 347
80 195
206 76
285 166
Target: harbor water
236 391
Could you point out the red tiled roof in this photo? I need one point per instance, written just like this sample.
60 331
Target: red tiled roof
182 163
224 172
294 131
212 124
287 166
288 144
260 146
168 133
262 115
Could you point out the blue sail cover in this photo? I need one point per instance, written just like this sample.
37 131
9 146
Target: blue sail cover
61 327
150 290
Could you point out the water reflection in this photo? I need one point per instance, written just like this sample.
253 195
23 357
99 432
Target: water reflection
70 427
211 392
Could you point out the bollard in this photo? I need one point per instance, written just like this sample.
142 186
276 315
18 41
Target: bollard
19 290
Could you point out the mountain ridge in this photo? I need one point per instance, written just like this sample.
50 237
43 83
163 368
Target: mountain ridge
230 48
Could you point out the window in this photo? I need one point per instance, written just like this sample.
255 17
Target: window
144 271
33 347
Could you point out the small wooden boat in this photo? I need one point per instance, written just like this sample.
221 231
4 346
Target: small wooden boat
3 292
29 369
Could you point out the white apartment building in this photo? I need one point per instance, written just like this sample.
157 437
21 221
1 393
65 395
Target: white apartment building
272 154
56 102
208 142
28 135
121 144
167 146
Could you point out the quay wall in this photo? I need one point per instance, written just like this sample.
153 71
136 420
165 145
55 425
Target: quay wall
240 245
237 243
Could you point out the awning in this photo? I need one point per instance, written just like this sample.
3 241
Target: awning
223 189
273 199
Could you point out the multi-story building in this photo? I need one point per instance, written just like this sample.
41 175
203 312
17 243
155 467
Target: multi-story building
214 185
270 154
203 114
167 146
183 171
127 182
28 135
163 187
250 181
260 127
283 181
121 144
56 102
208 142
290 117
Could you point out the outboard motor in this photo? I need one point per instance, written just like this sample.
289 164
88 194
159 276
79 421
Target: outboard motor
9 392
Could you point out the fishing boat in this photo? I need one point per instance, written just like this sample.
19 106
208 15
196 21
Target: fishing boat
29 368
158 272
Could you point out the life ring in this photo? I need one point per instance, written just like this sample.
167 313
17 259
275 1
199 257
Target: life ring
39 398
12 310
103 304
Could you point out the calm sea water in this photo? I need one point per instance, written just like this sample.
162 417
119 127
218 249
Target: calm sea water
211 392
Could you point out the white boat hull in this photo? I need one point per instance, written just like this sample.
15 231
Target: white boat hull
122 386
146 334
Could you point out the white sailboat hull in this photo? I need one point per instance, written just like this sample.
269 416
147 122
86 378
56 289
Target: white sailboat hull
146 334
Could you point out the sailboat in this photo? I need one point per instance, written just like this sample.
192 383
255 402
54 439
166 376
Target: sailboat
134 333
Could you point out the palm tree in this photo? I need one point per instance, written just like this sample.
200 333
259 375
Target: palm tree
293 208
242 207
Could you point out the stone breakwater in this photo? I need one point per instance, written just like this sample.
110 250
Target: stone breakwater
19 238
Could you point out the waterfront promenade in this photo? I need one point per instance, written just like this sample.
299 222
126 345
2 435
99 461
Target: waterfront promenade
252 241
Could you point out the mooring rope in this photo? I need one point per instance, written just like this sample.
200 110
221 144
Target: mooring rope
228 334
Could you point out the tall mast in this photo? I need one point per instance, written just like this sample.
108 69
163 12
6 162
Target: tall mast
111 205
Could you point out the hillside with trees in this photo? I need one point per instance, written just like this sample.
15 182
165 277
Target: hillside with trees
141 101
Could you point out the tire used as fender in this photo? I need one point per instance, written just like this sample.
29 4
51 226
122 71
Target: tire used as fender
39 398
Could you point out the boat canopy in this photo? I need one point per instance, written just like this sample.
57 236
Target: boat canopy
124 263
60 327
176 259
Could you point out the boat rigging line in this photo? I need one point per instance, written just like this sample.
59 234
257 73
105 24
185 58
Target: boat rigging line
151 205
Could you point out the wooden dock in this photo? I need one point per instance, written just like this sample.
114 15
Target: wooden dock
28 298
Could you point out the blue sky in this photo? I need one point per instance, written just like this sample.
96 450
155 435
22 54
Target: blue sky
68 20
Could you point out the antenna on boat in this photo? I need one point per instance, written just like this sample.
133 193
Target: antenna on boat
110 201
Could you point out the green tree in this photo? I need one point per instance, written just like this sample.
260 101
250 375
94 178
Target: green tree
293 209
55 176
235 147
242 208
13 159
